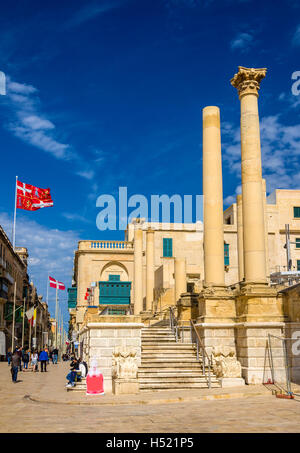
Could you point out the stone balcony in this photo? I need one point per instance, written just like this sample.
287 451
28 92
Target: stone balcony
106 246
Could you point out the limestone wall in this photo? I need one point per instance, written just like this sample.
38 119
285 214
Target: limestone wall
100 339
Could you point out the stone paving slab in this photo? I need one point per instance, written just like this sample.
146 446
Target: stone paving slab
50 388
114 414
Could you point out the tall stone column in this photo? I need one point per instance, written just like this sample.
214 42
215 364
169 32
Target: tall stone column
259 308
215 323
138 269
213 199
240 237
180 277
149 268
264 190
247 81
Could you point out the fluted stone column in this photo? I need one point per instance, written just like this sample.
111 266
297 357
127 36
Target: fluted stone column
180 277
138 270
247 81
264 189
240 237
149 268
213 199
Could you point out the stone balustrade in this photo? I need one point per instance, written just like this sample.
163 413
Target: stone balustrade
105 245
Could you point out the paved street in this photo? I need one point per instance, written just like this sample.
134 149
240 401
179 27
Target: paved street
69 412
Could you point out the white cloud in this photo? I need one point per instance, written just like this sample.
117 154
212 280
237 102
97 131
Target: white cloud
21 88
87 174
242 42
280 146
232 198
36 122
29 124
92 11
296 37
51 252
74 217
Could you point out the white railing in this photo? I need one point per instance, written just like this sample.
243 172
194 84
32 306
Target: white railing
120 245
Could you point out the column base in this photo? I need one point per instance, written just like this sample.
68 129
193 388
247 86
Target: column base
231 382
125 386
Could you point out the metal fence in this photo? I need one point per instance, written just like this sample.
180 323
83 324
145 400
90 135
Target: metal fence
282 363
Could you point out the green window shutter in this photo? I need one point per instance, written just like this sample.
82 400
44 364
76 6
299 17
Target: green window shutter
296 212
167 247
114 278
226 254
298 265
297 243
72 297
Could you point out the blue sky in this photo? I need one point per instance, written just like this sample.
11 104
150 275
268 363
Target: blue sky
104 94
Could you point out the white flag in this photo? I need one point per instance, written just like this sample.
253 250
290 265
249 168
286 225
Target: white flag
29 313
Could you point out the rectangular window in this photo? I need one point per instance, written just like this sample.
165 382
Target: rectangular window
114 278
296 212
298 265
167 247
226 254
297 243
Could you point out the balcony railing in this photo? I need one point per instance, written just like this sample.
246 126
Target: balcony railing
120 245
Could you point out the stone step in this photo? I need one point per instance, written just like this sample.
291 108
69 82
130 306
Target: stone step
168 355
176 380
155 329
172 345
175 386
170 360
157 334
153 366
151 340
159 337
171 373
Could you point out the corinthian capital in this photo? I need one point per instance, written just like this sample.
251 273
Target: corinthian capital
247 80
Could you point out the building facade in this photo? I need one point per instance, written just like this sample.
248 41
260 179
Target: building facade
110 264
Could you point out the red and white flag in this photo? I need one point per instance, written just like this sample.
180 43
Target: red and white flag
56 284
32 198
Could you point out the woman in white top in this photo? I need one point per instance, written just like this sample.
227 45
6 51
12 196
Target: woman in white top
82 369
34 361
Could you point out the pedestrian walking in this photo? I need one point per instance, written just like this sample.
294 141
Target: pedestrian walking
34 361
47 350
25 359
54 356
15 364
9 356
43 358
19 351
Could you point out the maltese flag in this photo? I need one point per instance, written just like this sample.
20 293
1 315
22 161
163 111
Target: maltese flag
56 284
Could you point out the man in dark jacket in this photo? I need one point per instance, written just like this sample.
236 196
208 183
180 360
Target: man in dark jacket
43 358
15 363
74 367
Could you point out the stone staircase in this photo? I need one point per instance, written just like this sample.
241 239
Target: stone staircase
169 365
79 387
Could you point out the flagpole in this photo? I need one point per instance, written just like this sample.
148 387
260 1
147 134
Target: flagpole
23 323
13 325
15 215
35 323
47 288
30 335
56 314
